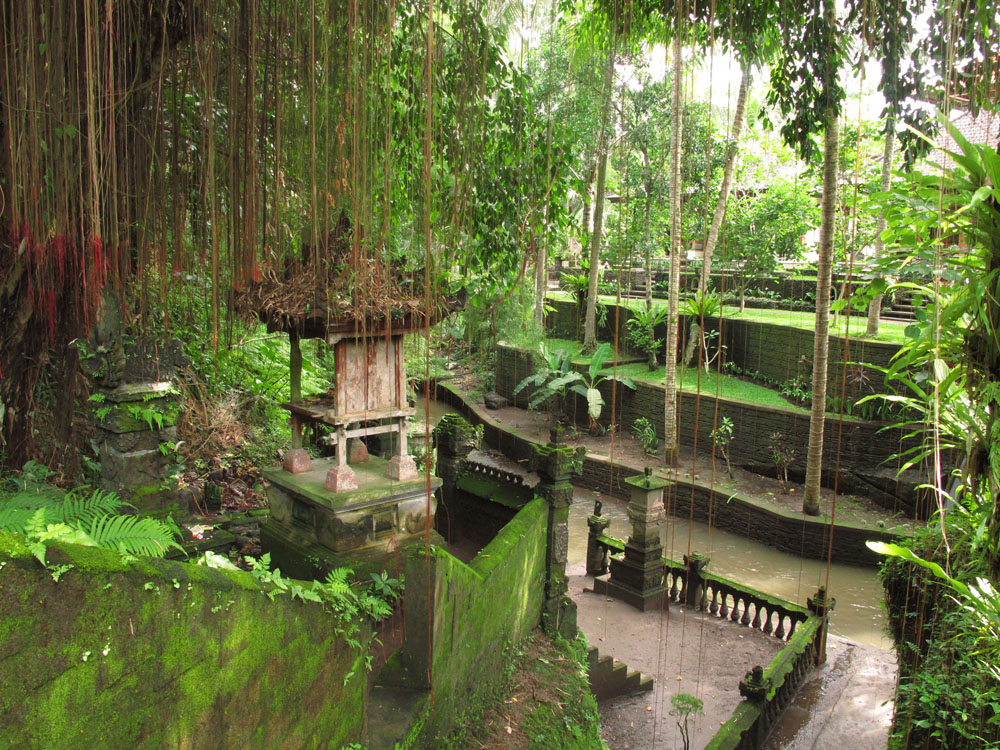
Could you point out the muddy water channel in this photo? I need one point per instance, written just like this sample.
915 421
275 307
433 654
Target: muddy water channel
858 615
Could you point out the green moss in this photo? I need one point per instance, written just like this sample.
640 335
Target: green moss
13 547
161 654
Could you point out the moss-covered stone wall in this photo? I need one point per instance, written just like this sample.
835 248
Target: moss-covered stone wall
480 612
160 654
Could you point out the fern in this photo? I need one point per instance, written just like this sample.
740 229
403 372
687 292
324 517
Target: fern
133 535
45 514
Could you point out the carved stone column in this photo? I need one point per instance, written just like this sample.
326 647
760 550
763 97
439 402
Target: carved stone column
555 464
597 555
638 577
820 605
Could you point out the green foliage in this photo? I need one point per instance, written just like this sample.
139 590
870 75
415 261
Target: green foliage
587 384
684 706
762 228
782 454
551 379
722 436
945 624
92 517
944 377
700 306
641 327
646 434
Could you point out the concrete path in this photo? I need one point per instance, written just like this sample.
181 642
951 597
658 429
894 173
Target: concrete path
848 702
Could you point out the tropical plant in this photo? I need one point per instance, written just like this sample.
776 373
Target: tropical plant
722 436
641 332
551 379
701 306
587 384
92 517
646 434
782 454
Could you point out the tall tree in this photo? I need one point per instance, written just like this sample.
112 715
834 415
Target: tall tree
732 148
805 86
590 319
673 294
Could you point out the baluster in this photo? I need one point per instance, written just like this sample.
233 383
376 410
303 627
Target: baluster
780 632
713 607
672 595
724 606
745 620
768 616
756 616
792 627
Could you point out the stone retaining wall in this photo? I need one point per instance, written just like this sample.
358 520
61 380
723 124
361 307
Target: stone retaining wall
793 533
779 352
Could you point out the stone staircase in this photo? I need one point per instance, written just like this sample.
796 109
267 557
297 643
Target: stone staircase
902 308
610 678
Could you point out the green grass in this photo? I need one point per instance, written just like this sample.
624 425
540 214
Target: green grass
889 331
711 384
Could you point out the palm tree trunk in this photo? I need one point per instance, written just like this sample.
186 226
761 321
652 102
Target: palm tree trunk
541 279
821 340
875 306
648 236
732 149
590 321
673 296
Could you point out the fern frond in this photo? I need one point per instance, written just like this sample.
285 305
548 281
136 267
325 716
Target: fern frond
132 535
83 507
16 519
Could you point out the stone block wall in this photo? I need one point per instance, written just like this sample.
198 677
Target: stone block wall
156 654
787 531
514 364
480 611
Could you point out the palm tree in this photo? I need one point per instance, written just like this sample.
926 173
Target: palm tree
824 267
590 320
673 296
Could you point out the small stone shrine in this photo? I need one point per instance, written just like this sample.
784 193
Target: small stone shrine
352 506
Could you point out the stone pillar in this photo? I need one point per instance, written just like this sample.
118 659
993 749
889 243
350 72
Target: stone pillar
694 586
135 423
638 577
340 477
401 467
454 439
555 464
820 605
597 555
754 687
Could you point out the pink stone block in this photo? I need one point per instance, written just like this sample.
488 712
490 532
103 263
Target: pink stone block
357 451
341 479
401 468
297 461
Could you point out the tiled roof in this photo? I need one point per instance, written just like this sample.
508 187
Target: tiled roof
982 129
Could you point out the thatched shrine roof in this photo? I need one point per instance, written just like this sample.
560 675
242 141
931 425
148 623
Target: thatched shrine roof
363 299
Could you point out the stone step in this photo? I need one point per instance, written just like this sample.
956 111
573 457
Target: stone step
611 679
